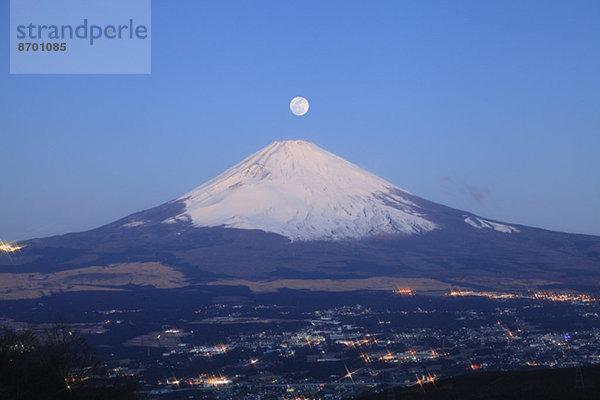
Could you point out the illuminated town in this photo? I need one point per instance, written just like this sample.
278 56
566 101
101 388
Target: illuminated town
8 247
574 298
278 346
352 357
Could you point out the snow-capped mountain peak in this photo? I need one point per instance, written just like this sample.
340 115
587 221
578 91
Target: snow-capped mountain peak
298 190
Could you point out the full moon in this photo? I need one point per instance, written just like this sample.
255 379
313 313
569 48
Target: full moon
299 106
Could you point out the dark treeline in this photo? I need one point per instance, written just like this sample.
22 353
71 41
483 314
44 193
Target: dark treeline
536 384
55 364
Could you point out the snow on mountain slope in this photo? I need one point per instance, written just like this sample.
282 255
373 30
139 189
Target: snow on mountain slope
481 223
298 190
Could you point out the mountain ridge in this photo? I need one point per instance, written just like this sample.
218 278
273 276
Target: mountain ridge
464 250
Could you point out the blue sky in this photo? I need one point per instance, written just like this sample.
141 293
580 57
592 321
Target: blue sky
490 107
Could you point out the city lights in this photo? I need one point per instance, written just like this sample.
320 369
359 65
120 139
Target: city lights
9 247
405 292
574 298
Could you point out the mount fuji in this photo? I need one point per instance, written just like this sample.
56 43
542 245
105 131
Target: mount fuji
303 192
293 211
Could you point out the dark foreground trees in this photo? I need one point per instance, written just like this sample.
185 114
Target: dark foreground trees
56 364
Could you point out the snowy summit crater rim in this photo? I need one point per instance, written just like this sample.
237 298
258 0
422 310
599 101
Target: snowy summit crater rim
300 191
